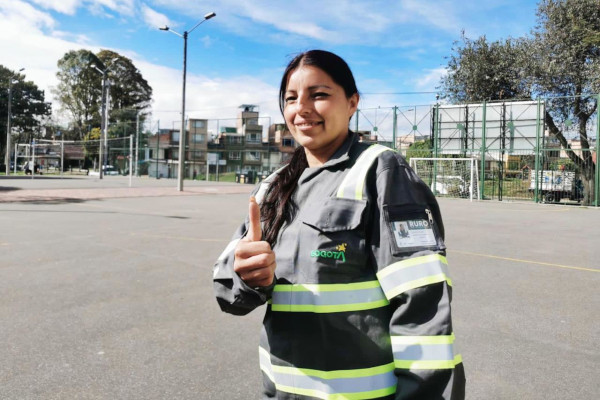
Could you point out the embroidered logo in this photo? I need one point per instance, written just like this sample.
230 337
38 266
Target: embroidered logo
339 254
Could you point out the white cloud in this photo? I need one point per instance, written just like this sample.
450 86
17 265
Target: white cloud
62 6
20 13
153 18
431 79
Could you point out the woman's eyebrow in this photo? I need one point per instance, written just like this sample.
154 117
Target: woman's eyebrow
318 87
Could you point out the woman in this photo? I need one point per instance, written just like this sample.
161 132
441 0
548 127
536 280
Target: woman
355 310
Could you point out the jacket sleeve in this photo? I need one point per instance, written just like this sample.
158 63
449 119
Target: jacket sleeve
406 236
232 293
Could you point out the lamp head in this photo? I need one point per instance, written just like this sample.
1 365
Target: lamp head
210 15
164 28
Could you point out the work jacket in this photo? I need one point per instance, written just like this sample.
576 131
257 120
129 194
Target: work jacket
360 308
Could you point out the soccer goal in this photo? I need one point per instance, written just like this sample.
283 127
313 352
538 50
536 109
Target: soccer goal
449 177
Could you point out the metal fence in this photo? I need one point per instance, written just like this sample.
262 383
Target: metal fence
543 150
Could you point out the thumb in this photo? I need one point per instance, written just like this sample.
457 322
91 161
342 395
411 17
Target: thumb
254 228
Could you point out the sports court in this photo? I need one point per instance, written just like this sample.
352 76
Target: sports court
107 294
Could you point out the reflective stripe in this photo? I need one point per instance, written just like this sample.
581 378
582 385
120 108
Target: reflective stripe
264 359
415 272
328 385
328 298
424 352
262 189
228 249
353 184
414 365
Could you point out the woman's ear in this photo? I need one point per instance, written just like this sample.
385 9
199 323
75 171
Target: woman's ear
353 104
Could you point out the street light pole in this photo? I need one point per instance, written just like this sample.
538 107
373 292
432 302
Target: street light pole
7 158
182 135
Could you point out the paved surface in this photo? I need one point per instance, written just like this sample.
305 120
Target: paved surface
106 294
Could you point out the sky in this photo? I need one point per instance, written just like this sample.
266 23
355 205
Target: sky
396 49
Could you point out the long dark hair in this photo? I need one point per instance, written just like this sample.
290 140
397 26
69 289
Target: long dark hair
278 207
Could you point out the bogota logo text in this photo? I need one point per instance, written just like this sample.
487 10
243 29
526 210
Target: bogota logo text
339 254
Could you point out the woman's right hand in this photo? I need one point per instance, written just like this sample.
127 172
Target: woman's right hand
254 258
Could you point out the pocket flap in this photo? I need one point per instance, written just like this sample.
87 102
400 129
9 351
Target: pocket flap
337 214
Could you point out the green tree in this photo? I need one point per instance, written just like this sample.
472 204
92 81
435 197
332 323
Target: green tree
28 108
560 59
420 149
79 89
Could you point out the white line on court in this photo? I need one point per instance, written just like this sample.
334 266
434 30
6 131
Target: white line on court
524 261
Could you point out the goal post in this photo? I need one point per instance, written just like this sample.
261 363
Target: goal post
449 177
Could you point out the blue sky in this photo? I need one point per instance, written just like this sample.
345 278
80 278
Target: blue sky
238 56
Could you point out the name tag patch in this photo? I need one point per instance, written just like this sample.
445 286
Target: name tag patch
413 233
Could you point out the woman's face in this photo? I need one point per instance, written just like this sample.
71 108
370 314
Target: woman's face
317 112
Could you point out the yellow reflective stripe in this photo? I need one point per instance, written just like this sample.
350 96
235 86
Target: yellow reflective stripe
410 263
351 373
404 364
329 309
439 339
373 394
354 181
417 283
328 287
360 179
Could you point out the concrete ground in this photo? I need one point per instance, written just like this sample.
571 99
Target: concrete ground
105 293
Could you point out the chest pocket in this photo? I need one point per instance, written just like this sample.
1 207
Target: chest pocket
412 228
335 234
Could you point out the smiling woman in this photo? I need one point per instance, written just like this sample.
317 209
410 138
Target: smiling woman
349 255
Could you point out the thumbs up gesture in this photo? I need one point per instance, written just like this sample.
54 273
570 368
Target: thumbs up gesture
254 259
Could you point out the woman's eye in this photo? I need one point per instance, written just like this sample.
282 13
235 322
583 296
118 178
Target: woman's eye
290 99
320 95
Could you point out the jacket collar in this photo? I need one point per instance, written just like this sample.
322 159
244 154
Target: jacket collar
341 155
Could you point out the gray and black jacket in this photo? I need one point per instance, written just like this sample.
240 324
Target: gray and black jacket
361 304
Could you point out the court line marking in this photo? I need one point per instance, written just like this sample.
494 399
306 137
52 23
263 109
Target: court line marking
525 261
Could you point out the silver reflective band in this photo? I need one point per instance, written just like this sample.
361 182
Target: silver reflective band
412 273
424 352
264 186
328 298
353 184
354 384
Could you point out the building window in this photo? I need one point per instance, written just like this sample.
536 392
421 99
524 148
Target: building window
253 156
199 124
287 142
253 138
198 138
235 155
234 139
175 137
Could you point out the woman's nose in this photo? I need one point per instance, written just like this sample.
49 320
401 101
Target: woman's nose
304 106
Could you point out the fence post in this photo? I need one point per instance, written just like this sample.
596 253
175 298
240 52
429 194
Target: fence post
538 126
483 150
597 180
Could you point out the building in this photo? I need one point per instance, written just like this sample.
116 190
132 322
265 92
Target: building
163 150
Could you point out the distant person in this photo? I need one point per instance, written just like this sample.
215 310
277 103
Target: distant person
352 311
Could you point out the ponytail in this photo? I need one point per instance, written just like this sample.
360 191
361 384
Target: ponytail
278 207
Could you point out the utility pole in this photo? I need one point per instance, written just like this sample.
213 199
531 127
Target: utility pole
137 140
7 159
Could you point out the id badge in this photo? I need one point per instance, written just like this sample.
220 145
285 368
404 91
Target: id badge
412 229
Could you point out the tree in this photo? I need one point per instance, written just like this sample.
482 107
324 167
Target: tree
420 149
79 89
480 70
28 108
560 59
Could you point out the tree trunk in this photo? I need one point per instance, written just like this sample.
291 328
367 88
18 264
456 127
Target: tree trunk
584 162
